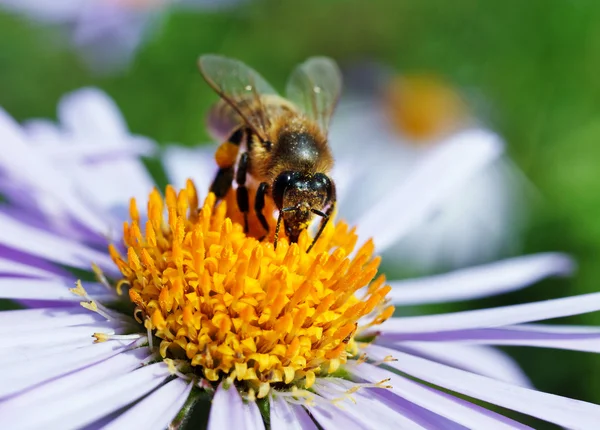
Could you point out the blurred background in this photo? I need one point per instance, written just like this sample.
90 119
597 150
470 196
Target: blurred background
526 70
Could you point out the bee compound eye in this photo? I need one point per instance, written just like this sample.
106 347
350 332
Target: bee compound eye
283 181
321 182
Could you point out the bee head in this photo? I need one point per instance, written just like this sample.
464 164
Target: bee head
297 195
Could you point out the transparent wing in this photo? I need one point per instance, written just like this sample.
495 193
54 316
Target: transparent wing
315 87
239 86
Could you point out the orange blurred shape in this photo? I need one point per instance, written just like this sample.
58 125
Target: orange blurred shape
424 107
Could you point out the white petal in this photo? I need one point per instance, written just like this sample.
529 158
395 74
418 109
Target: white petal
26 373
548 407
110 184
446 405
446 167
229 412
11 267
505 315
37 319
47 289
365 409
155 411
285 416
197 164
91 403
48 337
332 418
90 112
481 281
54 190
49 246
477 359
117 365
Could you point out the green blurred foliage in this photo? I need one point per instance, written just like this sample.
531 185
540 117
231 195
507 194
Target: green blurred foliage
531 67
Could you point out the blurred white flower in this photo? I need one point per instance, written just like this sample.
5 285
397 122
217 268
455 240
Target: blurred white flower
388 136
106 32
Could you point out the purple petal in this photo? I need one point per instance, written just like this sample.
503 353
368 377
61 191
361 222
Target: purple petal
228 411
156 411
48 289
115 366
184 163
482 360
333 418
578 338
456 160
43 244
446 405
27 373
548 407
481 281
32 320
89 404
366 410
285 416
484 318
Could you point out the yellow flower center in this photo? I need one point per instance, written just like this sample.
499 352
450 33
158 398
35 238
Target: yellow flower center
234 307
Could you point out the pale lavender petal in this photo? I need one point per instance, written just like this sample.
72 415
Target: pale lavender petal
20 257
285 416
89 112
45 245
446 167
117 365
110 184
27 320
12 268
365 410
197 164
333 418
48 337
157 410
446 405
84 406
578 338
484 318
481 281
48 289
482 360
228 411
27 373
548 407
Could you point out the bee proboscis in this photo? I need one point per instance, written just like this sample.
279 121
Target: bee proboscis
281 143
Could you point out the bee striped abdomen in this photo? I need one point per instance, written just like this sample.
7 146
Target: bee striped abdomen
226 156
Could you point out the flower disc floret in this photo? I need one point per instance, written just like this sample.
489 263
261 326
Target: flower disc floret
234 307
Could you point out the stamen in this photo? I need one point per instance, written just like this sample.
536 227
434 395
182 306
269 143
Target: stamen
236 308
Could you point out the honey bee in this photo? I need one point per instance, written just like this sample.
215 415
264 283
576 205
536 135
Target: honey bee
279 143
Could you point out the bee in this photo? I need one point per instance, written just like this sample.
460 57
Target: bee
279 143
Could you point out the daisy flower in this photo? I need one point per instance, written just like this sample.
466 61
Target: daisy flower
478 221
106 32
178 304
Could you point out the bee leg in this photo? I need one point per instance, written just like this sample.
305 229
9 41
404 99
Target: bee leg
242 192
279 218
225 156
259 205
324 220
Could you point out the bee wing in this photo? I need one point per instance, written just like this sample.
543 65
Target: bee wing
315 87
239 86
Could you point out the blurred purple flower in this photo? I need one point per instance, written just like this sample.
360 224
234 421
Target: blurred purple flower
64 189
106 32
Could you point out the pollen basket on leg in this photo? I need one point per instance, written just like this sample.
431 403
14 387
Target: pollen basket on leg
235 307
